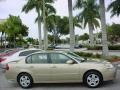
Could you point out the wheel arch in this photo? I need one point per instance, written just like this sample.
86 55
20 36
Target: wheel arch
24 73
92 70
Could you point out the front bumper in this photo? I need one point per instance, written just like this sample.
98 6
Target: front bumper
109 74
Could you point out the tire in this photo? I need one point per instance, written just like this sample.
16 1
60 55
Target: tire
25 80
93 79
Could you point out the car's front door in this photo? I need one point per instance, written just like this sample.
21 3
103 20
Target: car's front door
39 66
61 71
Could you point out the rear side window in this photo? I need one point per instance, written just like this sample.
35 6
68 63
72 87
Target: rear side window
37 59
25 53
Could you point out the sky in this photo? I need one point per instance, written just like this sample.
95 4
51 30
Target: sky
14 7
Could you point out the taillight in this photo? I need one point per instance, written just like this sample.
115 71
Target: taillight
2 59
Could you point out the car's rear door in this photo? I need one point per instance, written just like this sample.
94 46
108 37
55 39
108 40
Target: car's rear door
62 72
39 66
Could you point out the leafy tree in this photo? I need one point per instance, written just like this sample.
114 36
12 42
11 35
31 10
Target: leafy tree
89 15
32 41
14 28
59 26
113 32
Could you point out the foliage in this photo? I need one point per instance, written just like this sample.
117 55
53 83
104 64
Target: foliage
38 6
60 26
14 26
114 7
50 38
94 47
32 41
14 29
111 47
84 37
100 35
88 55
89 15
113 32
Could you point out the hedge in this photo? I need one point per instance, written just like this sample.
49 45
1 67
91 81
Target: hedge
91 55
114 47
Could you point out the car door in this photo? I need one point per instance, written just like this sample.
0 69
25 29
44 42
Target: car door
39 66
62 72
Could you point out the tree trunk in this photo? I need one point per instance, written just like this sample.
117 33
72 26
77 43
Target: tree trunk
39 29
14 41
103 27
5 40
72 34
91 35
54 37
1 39
44 28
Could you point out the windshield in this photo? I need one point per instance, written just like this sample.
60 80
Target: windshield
75 56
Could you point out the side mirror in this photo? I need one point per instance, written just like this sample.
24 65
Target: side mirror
70 62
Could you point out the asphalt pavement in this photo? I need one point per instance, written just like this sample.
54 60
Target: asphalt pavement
111 85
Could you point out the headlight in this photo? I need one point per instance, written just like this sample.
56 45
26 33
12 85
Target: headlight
109 66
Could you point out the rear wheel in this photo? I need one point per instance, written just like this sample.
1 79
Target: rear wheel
93 79
25 80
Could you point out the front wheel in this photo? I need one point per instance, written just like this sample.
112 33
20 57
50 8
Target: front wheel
25 80
93 79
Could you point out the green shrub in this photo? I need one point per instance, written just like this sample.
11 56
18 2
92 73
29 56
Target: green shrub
89 55
50 49
94 48
114 47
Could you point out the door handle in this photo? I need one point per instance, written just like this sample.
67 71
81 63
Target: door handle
53 66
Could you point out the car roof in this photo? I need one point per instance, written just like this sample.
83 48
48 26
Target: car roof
48 52
17 53
29 49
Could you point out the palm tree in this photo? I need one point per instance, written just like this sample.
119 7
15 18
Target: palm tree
38 5
72 34
114 7
89 16
103 27
44 27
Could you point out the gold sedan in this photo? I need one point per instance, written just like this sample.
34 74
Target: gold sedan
59 67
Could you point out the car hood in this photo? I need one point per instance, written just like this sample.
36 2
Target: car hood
96 61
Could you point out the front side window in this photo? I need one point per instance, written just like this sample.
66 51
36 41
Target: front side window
58 58
37 59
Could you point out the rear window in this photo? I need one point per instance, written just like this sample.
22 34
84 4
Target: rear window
25 53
